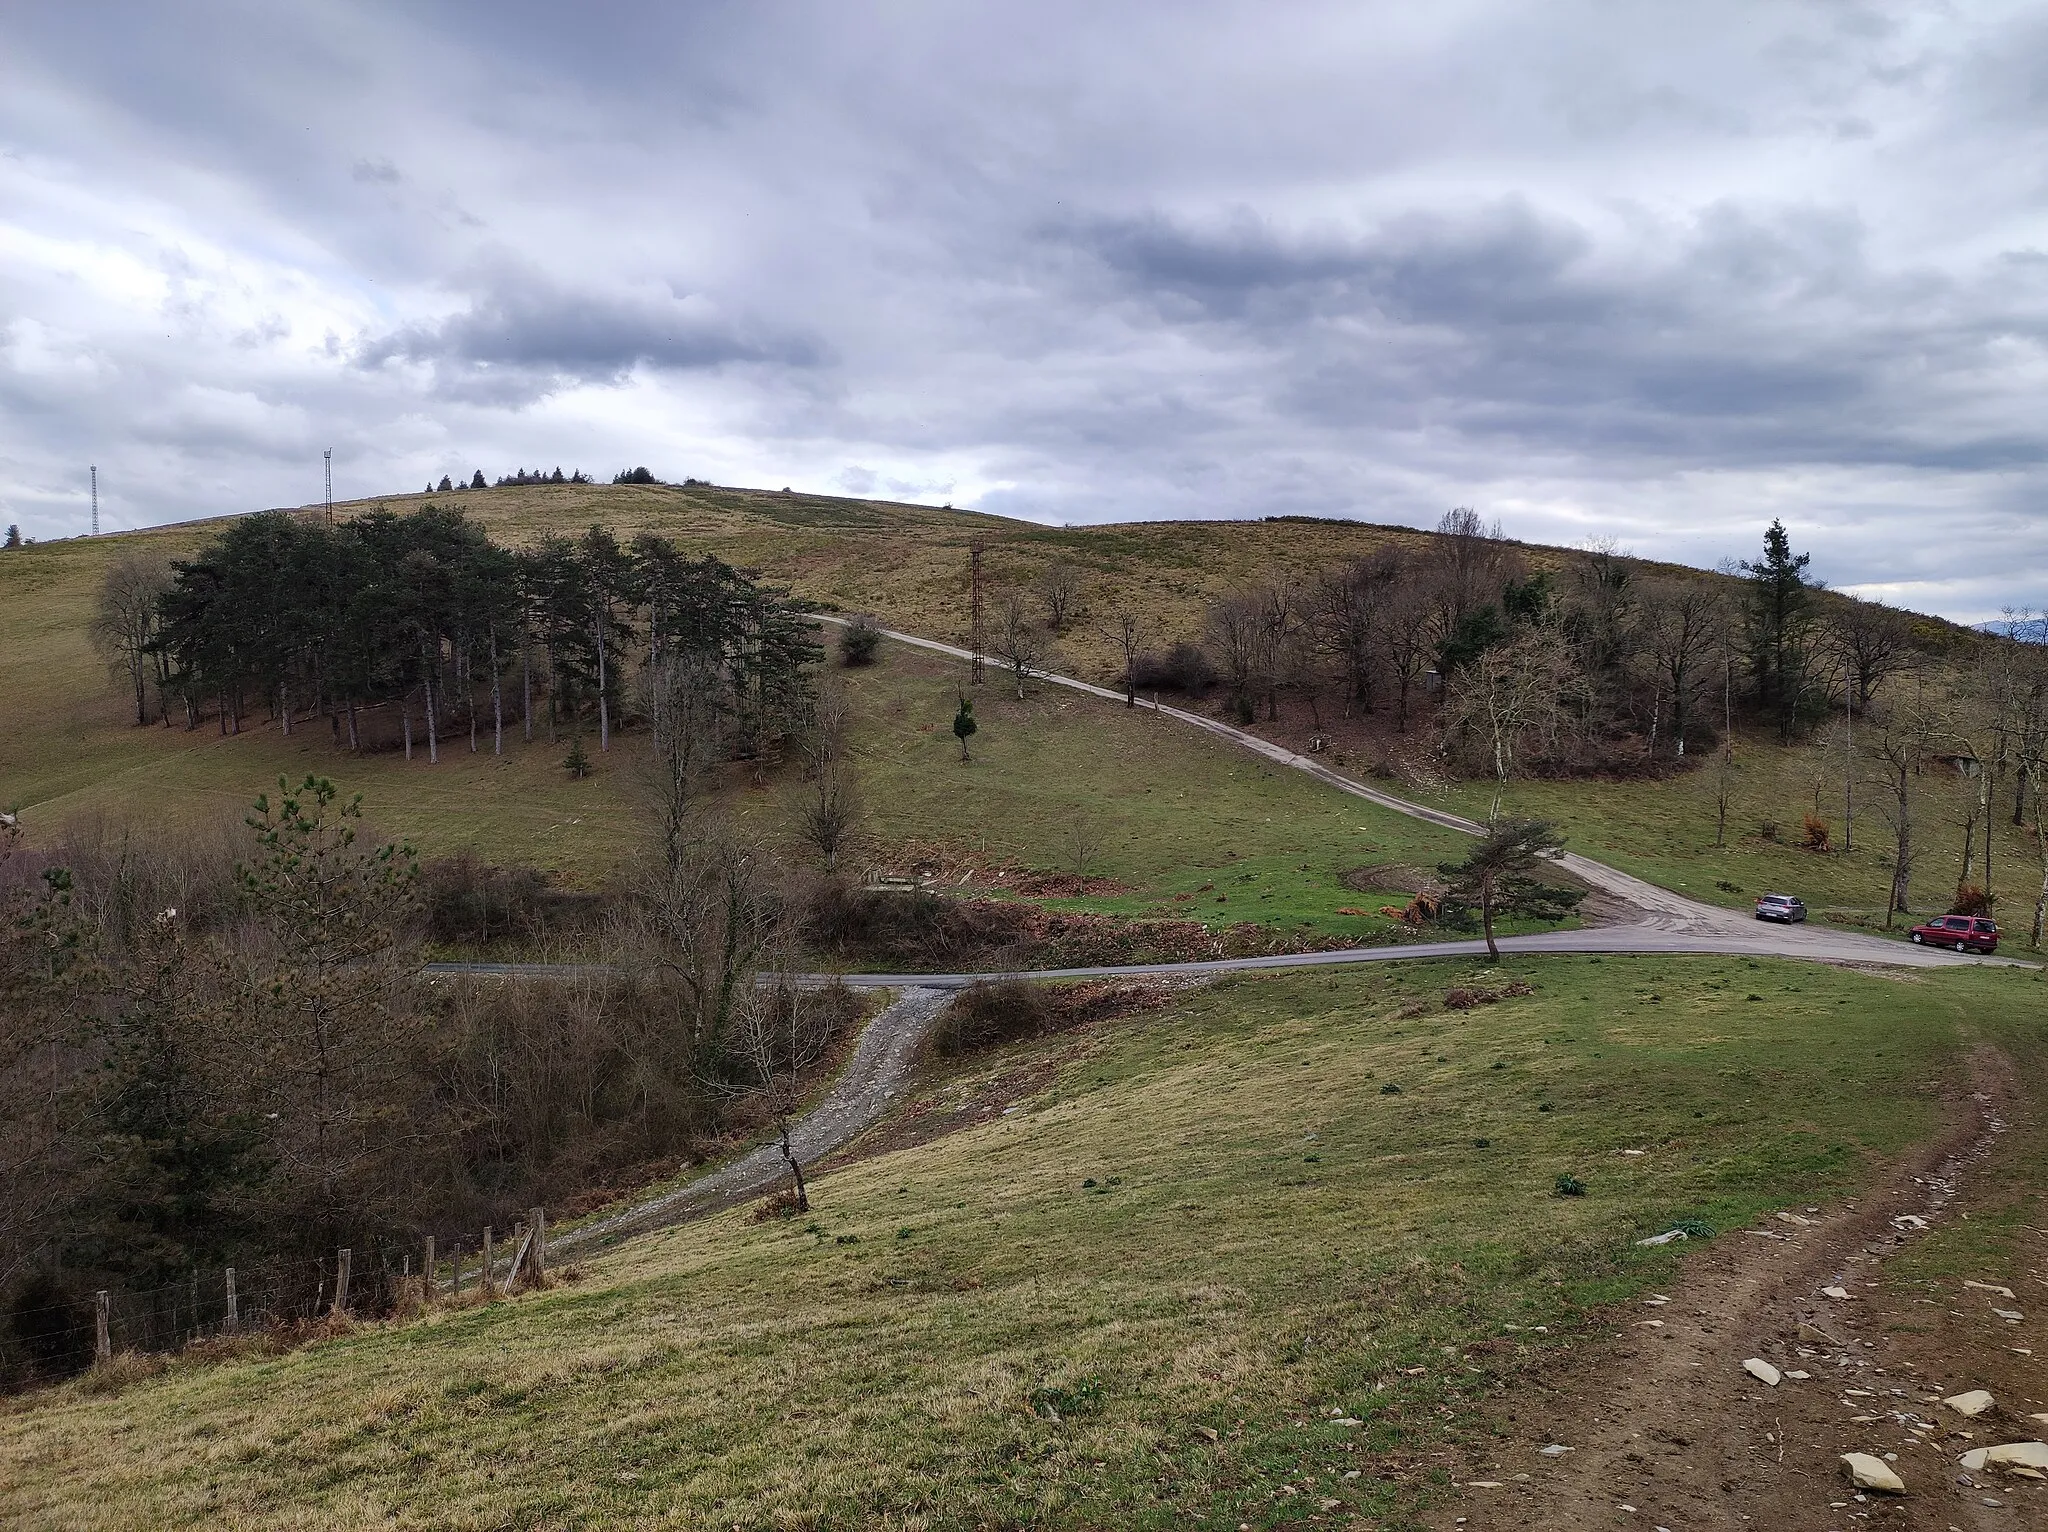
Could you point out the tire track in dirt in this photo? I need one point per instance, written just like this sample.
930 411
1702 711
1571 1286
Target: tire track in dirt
1667 1431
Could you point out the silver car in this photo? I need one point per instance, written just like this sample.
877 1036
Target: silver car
1784 908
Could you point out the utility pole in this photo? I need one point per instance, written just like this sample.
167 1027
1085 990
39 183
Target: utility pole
974 608
95 471
327 462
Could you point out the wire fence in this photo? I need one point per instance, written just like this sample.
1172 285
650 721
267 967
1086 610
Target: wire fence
206 1304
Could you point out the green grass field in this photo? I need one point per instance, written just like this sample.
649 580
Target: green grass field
1170 811
1664 831
1293 1220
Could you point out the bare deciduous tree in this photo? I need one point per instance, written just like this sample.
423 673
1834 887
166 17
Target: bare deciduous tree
125 620
829 811
1871 640
1060 588
1020 644
1896 744
1127 632
681 693
779 1032
1684 629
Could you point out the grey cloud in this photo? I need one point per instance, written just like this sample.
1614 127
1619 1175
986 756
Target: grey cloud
1645 271
522 336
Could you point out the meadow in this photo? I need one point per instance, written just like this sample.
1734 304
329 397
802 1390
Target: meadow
1158 1293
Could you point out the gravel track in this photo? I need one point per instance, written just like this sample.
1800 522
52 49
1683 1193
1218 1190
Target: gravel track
864 1091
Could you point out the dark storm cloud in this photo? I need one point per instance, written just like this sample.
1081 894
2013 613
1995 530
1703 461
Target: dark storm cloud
522 337
1625 270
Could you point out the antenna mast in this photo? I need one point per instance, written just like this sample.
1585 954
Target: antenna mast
974 608
327 462
95 471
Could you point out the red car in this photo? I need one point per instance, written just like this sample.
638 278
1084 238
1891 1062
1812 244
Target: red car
1965 933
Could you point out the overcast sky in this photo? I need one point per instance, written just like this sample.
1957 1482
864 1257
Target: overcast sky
1648 273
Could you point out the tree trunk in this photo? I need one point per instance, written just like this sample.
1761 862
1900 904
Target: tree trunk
427 693
1486 921
526 686
796 1171
604 704
354 740
405 711
497 700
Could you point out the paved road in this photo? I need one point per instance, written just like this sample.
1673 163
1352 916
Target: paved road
1663 922
865 1090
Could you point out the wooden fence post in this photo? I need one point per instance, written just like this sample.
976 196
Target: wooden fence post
234 1308
539 1260
102 1341
490 1288
455 1260
427 1273
342 1259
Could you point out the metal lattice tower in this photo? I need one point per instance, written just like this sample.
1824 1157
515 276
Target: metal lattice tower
95 471
974 608
327 462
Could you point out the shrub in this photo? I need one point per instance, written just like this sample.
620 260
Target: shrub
1183 668
858 641
1815 830
463 900
991 1013
634 476
1570 1186
1767 829
1972 900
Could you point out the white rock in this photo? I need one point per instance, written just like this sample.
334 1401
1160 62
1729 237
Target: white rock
1794 1372
1834 1292
1973 1460
2010 1316
1795 1219
1554 1450
1669 1236
1762 1371
1911 1220
1991 1287
2017 1455
1867 1472
1969 1405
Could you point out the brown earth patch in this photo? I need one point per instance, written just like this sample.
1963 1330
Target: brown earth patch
1667 1430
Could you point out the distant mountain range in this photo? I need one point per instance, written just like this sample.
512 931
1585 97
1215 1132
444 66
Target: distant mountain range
2028 630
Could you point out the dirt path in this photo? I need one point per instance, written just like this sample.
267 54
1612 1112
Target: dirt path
1666 1430
866 1089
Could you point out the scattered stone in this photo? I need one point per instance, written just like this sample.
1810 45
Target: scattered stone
1762 1371
1794 1219
1655 1301
2010 1316
1834 1292
1867 1472
2032 1455
1485 1484
1969 1405
1347 1420
1669 1236
1910 1221
1207 1433
1794 1372
1554 1450
1992 1288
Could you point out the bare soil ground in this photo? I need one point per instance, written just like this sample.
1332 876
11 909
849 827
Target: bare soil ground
1667 1430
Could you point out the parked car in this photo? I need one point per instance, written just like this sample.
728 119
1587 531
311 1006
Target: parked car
1784 908
1965 933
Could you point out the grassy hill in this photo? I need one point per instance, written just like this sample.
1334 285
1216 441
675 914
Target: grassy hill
1158 1293
67 751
